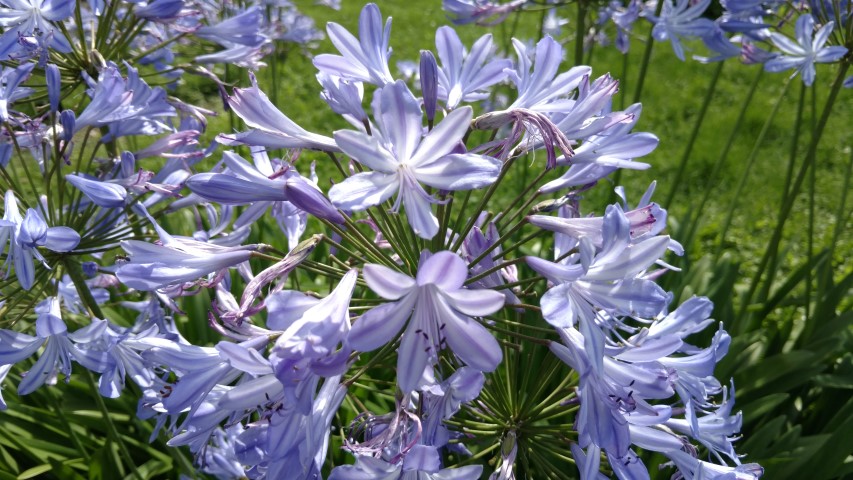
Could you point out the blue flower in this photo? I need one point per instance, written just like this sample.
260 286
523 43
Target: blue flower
464 75
440 311
682 18
364 59
402 160
806 51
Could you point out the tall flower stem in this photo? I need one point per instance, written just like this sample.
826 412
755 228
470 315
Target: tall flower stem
75 272
579 32
693 225
788 204
749 163
647 55
688 149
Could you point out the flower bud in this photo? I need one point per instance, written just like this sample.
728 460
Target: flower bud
51 72
429 83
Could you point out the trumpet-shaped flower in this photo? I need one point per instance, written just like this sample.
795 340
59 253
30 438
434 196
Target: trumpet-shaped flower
246 183
682 18
177 260
402 159
803 53
464 75
440 311
272 129
364 59
22 18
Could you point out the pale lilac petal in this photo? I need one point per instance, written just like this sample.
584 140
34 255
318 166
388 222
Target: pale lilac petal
419 211
102 194
557 308
635 296
442 139
413 356
830 54
366 150
445 269
387 283
61 239
25 269
363 190
475 302
822 35
402 119
230 190
42 369
471 342
285 307
380 324
459 171
632 260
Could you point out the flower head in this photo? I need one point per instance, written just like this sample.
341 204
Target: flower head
440 312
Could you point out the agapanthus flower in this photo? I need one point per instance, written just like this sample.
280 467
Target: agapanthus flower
26 234
177 260
24 17
807 50
602 154
464 76
482 12
58 353
402 158
682 18
440 310
608 279
10 89
364 59
272 129
245 184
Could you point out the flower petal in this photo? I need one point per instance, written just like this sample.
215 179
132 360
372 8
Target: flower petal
472 343
475 302
387 283
445 269
363 190
459 171
380 324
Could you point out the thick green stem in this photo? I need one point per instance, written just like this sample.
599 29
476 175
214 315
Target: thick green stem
785 210
697 213
682 165
749 162
647 55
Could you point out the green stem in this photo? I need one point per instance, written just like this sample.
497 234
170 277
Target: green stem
112 431
749 163
697 214
682 165
579 33
647 55
785 211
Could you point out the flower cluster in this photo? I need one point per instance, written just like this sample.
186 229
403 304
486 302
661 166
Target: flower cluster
427 250
741 29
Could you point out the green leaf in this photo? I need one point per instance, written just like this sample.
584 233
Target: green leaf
35 471
65 472
8 460
759 442
764 405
